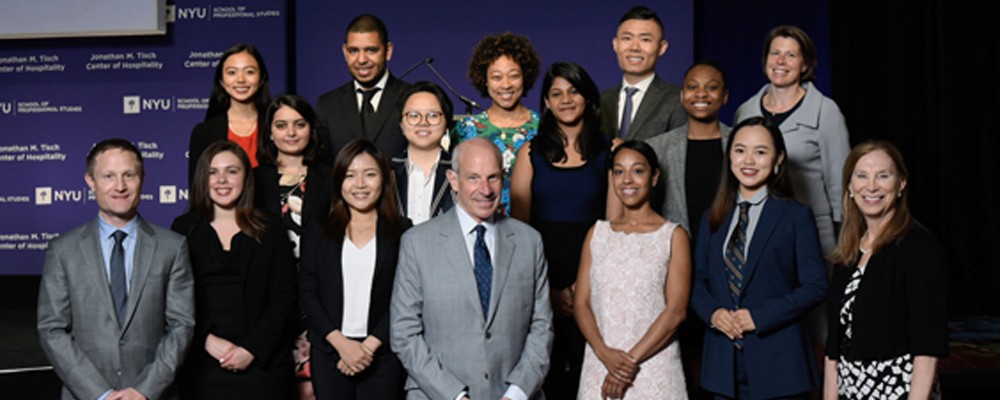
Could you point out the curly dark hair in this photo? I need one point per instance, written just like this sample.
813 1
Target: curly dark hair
508 44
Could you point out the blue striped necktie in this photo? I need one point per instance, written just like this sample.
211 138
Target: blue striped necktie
119 291
736 258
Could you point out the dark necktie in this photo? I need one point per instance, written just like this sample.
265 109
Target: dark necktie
368 123
484 268
627 111
118 290
736 258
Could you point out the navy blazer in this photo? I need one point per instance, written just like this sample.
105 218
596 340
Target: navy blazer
337 112
784 277
322 286
442 201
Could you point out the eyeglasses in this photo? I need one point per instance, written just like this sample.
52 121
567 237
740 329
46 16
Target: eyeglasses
433 118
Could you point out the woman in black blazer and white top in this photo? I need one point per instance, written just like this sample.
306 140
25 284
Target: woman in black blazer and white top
239 91
348 268
888 321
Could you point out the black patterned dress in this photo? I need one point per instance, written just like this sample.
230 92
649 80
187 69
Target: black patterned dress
870 379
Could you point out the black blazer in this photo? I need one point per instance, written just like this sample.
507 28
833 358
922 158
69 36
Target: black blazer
900 306
337 112
322 285
315 205
442 200
204 134
268 284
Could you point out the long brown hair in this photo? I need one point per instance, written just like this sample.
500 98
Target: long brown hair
249 219
778 184
847 252
387 206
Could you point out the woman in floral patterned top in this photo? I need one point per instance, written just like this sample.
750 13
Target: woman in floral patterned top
503 68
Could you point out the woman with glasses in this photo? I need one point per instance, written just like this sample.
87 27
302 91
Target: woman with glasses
423 189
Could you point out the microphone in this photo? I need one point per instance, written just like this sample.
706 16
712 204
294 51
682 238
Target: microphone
469 103
427 60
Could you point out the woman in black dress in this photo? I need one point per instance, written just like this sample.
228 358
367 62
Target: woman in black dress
244 285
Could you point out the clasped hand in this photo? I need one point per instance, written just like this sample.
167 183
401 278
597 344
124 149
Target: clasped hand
231 357
622 368
355 356
733 323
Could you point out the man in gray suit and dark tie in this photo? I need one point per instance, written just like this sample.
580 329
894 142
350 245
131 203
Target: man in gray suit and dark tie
470 315
116 302
644 105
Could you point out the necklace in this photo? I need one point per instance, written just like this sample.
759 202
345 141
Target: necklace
861 247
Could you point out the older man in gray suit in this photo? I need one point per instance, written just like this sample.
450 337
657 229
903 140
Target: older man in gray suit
116 302
470 307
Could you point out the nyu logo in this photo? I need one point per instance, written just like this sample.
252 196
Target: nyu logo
137 104
192 12
6 107
43 196
168 194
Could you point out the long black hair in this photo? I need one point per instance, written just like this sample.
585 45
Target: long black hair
551 141
779 184
218 103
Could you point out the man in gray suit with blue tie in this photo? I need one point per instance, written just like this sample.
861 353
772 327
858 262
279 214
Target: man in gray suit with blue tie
116 302
470 315
644 105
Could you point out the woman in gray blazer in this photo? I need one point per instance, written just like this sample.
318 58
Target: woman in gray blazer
811 124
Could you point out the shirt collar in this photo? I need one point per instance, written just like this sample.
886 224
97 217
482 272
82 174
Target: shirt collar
642 85
467 223
380 84
756 199
106 229
410 165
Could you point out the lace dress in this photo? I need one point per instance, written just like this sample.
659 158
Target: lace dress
627 275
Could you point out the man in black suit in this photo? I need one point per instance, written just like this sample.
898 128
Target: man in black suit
367 106
653 105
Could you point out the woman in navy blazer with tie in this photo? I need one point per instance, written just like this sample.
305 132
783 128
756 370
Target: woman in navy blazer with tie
754 280
348 267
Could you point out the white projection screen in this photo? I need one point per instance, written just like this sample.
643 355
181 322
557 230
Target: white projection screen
24 19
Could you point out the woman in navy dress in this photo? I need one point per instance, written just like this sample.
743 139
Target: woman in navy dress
560 187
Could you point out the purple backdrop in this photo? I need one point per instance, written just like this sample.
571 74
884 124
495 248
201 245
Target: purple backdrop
60 96
447 31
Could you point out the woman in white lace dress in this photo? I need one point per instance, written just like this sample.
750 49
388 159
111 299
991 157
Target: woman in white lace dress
632 291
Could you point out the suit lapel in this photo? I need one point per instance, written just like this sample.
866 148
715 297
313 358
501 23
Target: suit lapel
769 218
386 105
93 262
458 260
504 247
350 117
142 261
649 103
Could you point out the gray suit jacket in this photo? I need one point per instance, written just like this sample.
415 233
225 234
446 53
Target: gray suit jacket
437 325
77 325
671 152
660 111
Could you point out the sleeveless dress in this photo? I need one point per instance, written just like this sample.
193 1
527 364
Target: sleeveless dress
627 275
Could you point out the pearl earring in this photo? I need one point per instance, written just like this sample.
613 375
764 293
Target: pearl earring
775 169
850 194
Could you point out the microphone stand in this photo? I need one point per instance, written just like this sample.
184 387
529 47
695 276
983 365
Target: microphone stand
469 103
